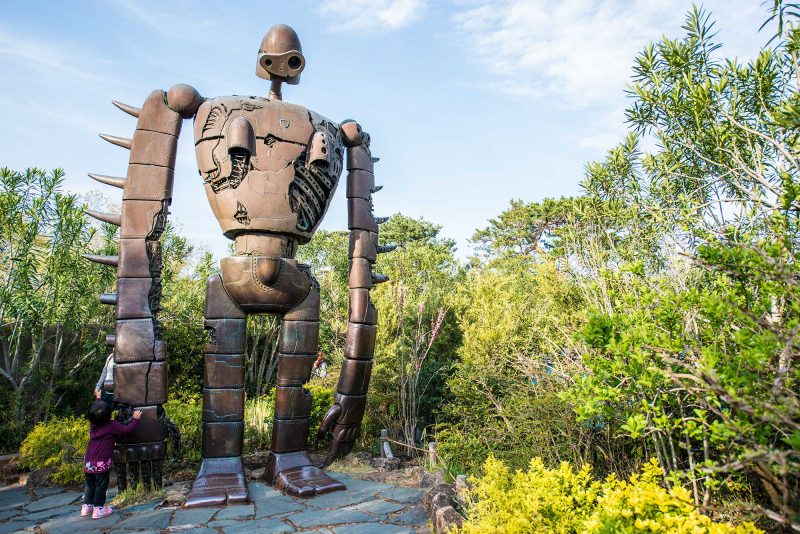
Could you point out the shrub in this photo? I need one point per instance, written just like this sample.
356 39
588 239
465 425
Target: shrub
323 400
258 422
57 444
258 412
564 501
187 415
516 319
11 434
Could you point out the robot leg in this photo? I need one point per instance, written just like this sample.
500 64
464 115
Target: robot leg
221 477
289 467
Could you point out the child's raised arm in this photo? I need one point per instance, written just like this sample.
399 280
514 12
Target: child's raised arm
125 428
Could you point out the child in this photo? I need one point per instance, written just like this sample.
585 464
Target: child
97 462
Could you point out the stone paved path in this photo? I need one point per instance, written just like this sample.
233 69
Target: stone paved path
366 507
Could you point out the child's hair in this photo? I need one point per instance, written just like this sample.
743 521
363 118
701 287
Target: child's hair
100 412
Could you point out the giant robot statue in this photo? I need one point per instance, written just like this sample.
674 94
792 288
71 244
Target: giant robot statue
270 169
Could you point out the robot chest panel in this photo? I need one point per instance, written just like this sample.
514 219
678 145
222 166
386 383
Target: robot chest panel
223 125
250 152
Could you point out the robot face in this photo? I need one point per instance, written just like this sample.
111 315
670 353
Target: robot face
288 65
280 55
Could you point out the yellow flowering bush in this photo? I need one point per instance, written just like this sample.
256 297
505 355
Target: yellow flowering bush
562 500
57 444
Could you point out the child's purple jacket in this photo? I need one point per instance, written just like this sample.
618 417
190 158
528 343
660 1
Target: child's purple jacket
101 444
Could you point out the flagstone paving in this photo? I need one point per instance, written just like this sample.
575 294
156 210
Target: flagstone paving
366 507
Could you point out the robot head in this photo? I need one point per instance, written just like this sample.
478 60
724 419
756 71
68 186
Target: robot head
281 56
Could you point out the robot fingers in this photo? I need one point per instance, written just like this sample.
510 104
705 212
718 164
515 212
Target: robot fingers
344 437
330 419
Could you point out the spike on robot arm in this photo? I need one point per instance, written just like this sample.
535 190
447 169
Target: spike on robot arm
344 418
140 370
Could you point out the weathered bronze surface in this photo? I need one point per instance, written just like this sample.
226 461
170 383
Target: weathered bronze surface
270 169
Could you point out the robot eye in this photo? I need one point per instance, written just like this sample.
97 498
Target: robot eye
267 62
294 62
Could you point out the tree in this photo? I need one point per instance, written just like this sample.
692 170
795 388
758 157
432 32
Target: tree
48 293
416 334
694 357
523 230
516 355
327 255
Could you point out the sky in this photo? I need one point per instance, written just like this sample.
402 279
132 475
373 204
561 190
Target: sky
469 103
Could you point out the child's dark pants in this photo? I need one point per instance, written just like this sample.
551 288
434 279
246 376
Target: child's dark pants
96 487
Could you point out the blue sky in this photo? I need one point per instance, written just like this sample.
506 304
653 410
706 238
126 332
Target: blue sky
470 103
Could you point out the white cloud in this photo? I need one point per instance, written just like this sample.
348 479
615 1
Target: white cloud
178 19
51 57
372 14
580 52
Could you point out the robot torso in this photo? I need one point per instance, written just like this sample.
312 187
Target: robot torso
268 166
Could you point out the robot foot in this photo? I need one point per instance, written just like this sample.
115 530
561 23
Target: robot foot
306 482
295 475
220 481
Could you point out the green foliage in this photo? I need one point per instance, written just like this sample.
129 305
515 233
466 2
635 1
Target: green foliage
683 263
415 345
692 360
321 402
57 444
48 308
259 416
187 415
258 412
417 333
686 389
525 229
563 500
181 316
327 255
68 474
11 433
515 356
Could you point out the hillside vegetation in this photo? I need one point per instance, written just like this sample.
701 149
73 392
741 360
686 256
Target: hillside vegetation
633 349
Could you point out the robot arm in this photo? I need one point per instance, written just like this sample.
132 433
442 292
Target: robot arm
344 418
140 367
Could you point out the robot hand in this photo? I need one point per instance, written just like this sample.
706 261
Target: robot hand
343 421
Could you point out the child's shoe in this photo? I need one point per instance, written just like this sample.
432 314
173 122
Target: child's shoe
86 510
101 511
